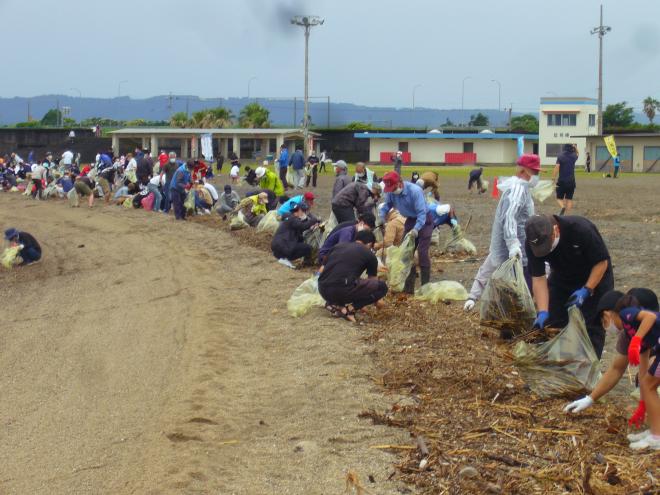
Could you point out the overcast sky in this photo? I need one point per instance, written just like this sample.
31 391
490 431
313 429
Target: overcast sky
370 52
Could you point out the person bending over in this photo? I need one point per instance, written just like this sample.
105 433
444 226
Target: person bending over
30 250
287 244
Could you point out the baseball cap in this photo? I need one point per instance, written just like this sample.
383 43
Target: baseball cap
391 181
11 234
538 230
309 197
341 164
608 301
530 161
260 172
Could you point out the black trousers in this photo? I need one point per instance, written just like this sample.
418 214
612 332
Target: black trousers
283 177
361 294
344 214
560 291
37 188
294 252
314 175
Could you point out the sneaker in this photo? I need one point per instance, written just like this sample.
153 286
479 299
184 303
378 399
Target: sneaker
286 262
649 442
636 437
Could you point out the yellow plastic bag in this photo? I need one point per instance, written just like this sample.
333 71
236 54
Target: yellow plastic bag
128 203
458 244
446 290
543 190
269 223
10 257
399 263
328 226
506 303
189 203
72 195
238 222
304 298
566 365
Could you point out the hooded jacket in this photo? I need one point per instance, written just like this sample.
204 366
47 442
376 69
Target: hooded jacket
516 206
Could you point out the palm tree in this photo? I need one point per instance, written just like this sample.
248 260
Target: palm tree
211 118
650 106
179 119
254 116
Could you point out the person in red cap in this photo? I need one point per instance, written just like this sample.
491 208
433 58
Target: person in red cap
507 238
408 199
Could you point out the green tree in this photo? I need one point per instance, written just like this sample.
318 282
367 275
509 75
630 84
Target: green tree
359 126
136 123
103 122
525 123
31 124
618 115
479 120
52 117
69 122
179 119
211 118
650 107
254 116
448 123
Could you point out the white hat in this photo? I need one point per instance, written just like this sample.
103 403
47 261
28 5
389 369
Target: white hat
442 209
420 183
341 164
265 163
260 171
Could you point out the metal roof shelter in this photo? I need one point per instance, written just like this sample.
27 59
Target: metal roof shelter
265 141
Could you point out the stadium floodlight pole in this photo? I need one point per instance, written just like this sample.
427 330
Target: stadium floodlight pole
601 31
499 93
463 97
415 89
308 22
119 87
250 82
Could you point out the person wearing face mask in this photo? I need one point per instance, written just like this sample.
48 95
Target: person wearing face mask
640 303
356 196
408 199
508 232
580 271
363 174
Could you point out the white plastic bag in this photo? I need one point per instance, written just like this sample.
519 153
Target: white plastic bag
269 222
543 190
399 262
304 298
238 222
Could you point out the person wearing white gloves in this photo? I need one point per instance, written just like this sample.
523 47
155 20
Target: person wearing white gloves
508 233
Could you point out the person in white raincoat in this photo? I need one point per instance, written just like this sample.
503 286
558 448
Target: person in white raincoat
508 234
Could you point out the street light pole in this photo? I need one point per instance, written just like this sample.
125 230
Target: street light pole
413 95
601 31
499 94
463 97
308 22
250 82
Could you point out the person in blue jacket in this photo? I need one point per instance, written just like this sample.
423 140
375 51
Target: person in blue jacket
181 179
298 166
283 165
291 204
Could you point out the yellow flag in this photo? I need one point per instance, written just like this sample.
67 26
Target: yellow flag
611 145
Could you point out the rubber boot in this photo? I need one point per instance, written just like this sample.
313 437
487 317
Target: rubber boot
426 274
409 286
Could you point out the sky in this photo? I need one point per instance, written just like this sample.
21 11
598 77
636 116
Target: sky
368 52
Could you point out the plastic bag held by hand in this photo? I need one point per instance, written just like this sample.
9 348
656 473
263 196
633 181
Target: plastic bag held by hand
304 298
189 203
506 303
10 256
399 262
238 222
543 190
565 365
458 244
446 290
269 223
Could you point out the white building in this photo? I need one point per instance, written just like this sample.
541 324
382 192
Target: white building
561 119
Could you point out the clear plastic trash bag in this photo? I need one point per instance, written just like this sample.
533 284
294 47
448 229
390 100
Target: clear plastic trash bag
189 203
10 257
506 303
543 190
328 226
238 222
399 261
269 223
566 365
304 298
313 238
484 186
458 244
72 195
446 290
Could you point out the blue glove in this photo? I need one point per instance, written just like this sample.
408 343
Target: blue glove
578 297
541 318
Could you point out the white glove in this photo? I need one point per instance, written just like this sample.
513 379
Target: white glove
515 251
414 233
469 305
579 405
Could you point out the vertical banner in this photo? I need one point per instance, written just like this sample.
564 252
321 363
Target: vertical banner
521 145
611 145
207 146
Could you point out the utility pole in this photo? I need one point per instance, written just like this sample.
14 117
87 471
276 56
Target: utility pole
308 22
510 110
601 31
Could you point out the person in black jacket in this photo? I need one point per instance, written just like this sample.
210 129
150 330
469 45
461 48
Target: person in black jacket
30 248
145 168
287 244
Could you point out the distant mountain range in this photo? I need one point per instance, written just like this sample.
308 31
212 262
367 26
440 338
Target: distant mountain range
283 112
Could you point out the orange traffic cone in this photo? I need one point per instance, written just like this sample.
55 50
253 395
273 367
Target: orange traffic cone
496 193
